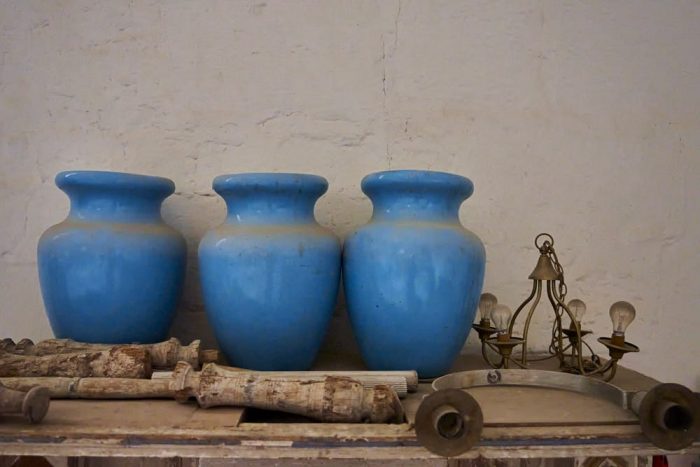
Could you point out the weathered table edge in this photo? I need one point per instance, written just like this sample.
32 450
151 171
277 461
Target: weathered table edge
331 441
252 448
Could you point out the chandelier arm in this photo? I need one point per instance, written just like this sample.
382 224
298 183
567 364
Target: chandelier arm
554 299
601 370
578 347
590 349
484 354
517 363
522 305
513 360
526 329
577 326
613 370
574 354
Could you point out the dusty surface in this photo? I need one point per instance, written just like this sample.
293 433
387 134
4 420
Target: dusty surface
519 423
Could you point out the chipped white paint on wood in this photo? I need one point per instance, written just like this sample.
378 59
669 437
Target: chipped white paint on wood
576 118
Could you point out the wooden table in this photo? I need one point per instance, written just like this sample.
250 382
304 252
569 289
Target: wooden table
520 423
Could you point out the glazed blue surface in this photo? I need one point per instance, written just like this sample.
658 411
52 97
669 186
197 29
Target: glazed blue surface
270 273
112 271
413 275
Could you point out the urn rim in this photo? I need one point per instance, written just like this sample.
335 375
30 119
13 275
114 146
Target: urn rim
271 181
418 180
114 180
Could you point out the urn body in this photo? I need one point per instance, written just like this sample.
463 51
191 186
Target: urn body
413 275
112 271
270 273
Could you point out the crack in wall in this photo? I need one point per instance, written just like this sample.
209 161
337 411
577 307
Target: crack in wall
385 57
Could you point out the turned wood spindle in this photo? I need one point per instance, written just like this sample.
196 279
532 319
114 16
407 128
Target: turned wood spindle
164 355
119 362
330 398
33 404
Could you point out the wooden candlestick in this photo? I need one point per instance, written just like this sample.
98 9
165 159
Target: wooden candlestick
94 388
401 381
7 344
332 398
119 362
164 355
33 404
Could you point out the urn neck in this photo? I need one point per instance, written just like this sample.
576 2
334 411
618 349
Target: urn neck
414 195
269 198
114 197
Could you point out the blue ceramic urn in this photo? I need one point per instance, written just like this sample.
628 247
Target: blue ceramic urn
270 273
413 275
112 271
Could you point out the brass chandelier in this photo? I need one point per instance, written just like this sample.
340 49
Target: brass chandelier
567 343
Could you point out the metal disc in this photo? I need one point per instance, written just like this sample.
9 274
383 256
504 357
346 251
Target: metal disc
36 404
670 416
449 422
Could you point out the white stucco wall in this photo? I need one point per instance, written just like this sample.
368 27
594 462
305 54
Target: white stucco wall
577 118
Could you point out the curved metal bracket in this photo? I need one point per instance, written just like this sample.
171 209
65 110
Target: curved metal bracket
669 414
536 378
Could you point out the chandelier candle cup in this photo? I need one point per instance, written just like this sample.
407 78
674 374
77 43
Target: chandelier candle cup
622 314
504 341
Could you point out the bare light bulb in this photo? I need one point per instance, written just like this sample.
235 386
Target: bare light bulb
500 315
578 308
486 304
621 314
